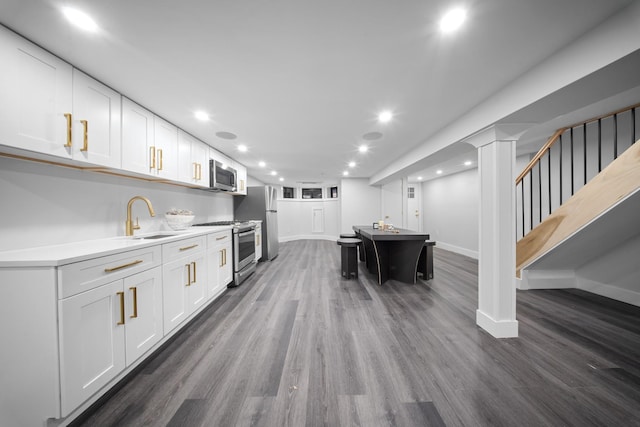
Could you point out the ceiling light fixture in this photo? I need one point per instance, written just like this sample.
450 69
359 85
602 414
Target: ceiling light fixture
439 171
345 173
352 164
80 19
281 179
385 116
274 173
201 115
242 148
453 20
363 148
419 178
262 164
467 163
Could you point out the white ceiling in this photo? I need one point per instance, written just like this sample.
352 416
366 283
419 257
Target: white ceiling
301 82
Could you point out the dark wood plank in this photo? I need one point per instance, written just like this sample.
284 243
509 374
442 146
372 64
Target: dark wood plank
296 344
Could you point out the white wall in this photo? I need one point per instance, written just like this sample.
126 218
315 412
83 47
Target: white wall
360 204
45 204
296 219
393 203
450 211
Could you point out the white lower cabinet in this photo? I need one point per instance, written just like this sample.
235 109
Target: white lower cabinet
105 329
184 274
220 259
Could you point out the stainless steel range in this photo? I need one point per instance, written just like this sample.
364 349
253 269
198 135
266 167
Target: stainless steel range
244 248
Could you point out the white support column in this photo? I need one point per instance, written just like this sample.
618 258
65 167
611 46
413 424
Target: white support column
497 249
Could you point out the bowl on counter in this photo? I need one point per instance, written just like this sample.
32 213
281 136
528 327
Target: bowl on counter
179 222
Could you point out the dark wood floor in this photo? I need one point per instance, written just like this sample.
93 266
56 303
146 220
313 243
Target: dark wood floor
298 345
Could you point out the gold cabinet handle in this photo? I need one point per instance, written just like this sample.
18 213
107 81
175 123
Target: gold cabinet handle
195 171
135 302
69 131
193 263
121 295
221 258
159 159
257 240
85 137
186 248
120 267
188 274
224 253
220 238
199 172
152 155
242 185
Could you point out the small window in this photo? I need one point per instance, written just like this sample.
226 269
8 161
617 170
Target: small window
312 193
411 192
288 193
333 191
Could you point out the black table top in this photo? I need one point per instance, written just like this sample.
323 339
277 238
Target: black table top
396 234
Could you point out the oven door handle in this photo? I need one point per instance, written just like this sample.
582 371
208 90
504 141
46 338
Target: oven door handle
246 233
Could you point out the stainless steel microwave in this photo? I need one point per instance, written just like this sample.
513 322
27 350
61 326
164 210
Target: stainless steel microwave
222 177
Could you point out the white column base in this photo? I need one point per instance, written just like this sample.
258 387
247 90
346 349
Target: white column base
497 328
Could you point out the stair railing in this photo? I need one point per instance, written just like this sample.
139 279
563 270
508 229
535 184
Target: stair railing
567 161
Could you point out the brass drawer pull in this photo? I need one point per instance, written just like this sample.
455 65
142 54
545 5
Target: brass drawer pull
120 267
186 248
188 274
152 154
220 238
194 272
69 131
121 295
85 138
135 302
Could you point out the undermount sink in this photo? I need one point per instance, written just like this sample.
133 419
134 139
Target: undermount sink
154 236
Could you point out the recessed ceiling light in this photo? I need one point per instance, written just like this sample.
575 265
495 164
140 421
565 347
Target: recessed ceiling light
281 179
385 116
439 172
352 164
242 148
467 163
201 115
419 178
274 173
345 173
262 164
363 148
80 19
453 20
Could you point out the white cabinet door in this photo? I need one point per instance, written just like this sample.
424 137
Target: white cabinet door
138 152
242 179
92 346
197 290
225 274
35 95
166 145
193 160
219 257
143 317
174 293
96 122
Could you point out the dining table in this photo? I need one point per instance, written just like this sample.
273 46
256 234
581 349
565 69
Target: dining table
391 253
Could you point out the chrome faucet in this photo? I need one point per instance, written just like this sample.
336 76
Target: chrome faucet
129 225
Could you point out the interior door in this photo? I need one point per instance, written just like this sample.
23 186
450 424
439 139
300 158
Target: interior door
414 207
392 203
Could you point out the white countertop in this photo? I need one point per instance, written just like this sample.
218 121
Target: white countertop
55 255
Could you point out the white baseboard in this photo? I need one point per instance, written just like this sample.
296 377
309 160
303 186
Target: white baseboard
609 291
497 328
457 249
307 237
547 279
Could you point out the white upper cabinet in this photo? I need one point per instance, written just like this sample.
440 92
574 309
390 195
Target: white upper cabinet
35 96
137 138
166 147
193 160
96 122
242 178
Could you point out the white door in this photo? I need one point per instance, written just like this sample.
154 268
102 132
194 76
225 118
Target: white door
96 122
392 203
165 140
197 278
143 312
414 207
35 95
138 153
225 272
92 346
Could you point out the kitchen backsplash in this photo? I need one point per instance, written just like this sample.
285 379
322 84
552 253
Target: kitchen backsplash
46 204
